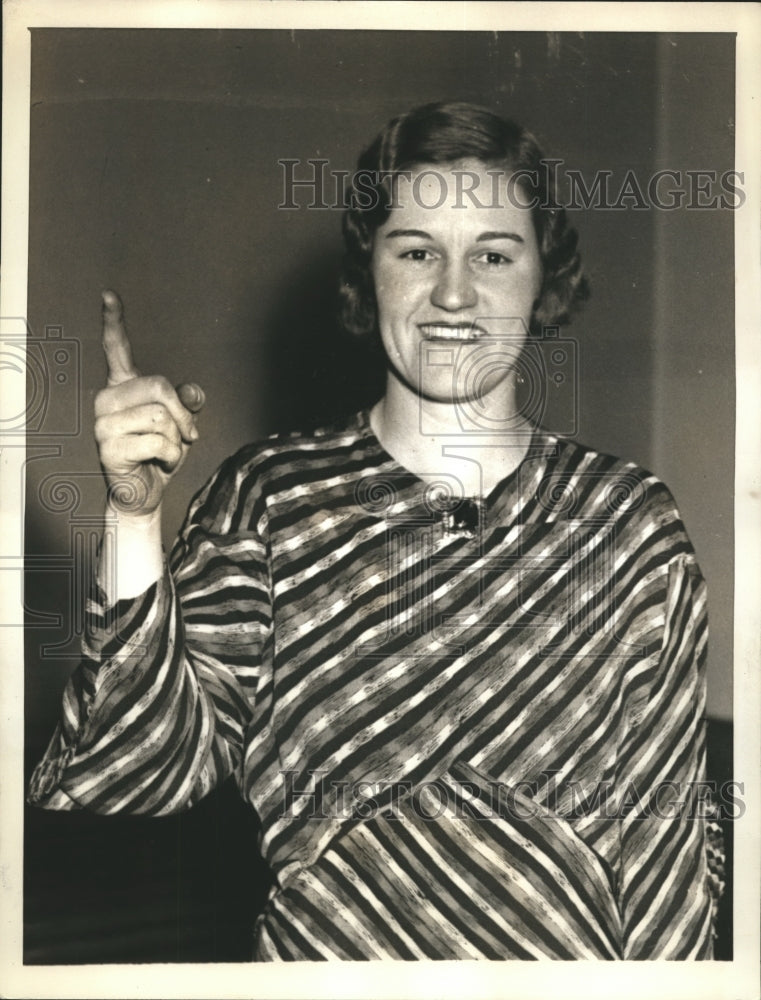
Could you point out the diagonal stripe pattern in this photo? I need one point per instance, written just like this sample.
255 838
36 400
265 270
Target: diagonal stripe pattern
454 740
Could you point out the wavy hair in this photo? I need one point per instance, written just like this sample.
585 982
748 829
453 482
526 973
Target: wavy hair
442 134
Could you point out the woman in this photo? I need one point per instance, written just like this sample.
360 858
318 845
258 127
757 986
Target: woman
455 662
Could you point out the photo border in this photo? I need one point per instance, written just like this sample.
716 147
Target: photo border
735 979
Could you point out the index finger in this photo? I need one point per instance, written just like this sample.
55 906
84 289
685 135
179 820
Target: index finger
121 367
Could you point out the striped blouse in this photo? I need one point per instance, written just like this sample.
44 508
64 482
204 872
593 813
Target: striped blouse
469 731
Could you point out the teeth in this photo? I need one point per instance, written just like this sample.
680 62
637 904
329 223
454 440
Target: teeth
432 331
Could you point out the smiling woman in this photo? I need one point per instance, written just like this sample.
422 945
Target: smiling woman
468 279
443 274
455 662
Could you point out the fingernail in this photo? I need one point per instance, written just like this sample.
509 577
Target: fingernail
194 433
110 300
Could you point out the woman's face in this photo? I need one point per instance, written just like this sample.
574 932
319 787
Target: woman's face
454 278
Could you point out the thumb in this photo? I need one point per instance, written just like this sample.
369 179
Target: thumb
191 396
116 345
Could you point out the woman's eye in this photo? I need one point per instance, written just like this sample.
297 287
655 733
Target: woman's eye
494 257
417 254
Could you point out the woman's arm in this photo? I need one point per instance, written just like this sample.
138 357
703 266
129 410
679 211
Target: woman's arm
667 887
155 715
144 429
156 712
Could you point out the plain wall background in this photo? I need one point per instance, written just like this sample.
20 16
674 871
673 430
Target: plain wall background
154 170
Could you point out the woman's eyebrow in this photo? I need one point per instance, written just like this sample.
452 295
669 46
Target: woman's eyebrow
482 237
419 233
493 235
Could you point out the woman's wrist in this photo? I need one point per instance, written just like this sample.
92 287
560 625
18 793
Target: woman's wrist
132 555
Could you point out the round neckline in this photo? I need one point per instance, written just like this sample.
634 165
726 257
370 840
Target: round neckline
537 446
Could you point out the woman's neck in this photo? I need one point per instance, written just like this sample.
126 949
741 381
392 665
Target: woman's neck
433 439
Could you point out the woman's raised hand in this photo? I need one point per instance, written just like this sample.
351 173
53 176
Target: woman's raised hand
143 426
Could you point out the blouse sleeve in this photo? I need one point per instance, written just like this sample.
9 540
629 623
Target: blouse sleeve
156 713
670 844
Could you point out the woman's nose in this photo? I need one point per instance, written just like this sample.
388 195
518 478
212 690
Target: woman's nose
454 288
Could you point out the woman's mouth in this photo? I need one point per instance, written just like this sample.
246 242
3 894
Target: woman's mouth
451 331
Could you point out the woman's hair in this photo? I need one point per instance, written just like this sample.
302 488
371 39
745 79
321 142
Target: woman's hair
446 133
